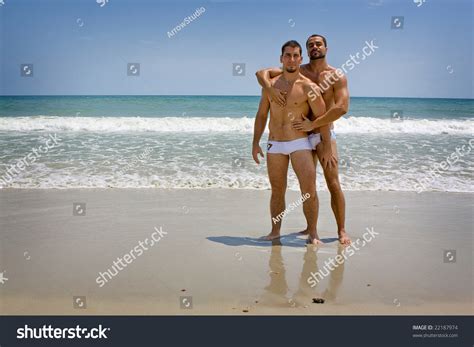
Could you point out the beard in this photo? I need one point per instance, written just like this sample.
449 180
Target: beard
290 69
316 56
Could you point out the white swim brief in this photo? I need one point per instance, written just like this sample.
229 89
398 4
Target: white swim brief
288 147
315 139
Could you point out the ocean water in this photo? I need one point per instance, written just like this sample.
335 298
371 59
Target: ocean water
205 142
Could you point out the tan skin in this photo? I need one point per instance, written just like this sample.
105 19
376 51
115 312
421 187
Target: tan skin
336 98
296 87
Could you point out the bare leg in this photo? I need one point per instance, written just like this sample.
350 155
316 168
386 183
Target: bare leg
338 202
304 168
315 161
277 165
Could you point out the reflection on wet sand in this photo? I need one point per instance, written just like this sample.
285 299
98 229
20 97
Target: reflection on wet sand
277 292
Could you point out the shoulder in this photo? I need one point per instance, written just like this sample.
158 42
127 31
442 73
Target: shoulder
305 70
308 84
337 75
305 81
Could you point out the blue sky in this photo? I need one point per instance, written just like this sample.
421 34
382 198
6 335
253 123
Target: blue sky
78 47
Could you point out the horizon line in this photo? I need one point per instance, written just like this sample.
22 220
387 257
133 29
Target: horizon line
102 95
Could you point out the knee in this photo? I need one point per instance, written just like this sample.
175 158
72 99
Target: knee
308 184
309 198
334 185
278 190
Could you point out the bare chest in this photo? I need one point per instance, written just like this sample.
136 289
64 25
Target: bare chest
325 81
295 96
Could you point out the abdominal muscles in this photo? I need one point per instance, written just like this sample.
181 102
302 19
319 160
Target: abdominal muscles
281 128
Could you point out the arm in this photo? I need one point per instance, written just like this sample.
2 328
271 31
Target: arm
340 107
264 79
318 107
315 99
259 126
328 159
264 76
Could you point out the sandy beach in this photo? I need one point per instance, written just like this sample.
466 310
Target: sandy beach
208 252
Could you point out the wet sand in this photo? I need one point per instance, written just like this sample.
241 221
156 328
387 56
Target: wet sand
209 250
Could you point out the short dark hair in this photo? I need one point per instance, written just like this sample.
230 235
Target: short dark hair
317 35
291 43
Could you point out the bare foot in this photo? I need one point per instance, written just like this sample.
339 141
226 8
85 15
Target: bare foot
270 237
314 240
344 239
304 232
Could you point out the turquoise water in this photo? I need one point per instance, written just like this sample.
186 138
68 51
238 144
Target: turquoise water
215 106
205 142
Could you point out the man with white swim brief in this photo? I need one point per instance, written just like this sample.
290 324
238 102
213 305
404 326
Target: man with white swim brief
285 143
333 84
